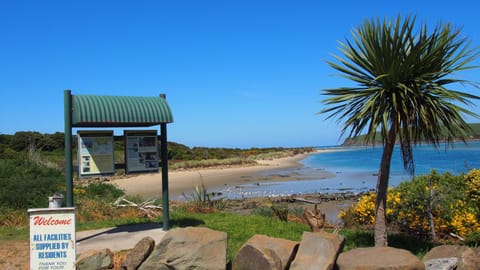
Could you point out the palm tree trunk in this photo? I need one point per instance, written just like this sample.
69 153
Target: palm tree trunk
382 186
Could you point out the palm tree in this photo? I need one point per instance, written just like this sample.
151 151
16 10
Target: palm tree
401 78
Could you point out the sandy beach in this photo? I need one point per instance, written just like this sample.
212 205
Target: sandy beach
150 185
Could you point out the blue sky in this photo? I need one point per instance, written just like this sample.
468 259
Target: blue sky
236 73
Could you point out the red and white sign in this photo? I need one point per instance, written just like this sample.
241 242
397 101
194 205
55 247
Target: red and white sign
52 238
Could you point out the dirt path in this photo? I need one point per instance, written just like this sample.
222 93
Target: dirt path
14 255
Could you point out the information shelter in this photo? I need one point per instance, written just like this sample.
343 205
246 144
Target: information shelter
95 111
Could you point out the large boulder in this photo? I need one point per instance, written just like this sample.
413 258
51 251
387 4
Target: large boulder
95 259
467 258
265 253
318 250
189 248
139 254
378 258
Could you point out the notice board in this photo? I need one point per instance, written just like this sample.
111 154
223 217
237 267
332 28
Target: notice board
141 151
95 153
52 238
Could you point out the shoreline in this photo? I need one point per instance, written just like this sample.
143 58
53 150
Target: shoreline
184 182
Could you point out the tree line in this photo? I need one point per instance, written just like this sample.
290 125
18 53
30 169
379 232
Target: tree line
36 142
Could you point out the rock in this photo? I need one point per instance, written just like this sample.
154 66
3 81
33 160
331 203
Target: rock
263 253
95 260
445 251
318 250
376 258
189 248
468 258
139 253
441 264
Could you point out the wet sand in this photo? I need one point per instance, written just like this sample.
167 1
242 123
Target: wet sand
150 185
184 182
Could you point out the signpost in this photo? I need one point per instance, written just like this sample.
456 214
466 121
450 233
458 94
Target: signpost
52 238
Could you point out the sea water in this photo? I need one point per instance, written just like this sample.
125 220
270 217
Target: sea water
355 169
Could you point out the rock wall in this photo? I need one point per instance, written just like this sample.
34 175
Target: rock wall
203 248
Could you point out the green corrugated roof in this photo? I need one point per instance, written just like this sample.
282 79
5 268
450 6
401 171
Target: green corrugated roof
119 111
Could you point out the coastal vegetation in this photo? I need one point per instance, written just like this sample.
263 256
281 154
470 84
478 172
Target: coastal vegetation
404 92
48 150
439 207
32 168
26 183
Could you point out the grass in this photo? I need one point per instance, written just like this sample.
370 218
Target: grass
239 228
359 238
14 233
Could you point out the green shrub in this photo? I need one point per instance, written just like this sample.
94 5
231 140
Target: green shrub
95 202
201 200
24 184
103 191
444 200
13 217
264 211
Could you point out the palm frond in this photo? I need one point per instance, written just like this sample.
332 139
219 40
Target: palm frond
401 77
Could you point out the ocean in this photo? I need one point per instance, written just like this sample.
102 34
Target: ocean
354 169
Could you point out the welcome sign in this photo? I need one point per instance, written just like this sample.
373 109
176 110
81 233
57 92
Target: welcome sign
52 238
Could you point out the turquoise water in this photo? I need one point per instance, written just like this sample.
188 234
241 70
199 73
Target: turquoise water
354 169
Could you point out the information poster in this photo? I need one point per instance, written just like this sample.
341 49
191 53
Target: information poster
52 238
141 151
95 153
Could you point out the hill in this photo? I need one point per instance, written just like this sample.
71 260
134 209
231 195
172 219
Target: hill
475 135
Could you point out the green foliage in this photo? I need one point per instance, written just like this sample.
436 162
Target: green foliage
263 211
449 198
473 239
10 217
401 75
48 150
94 201
473 183
16 233
24 184
239 228
26 140
441 191
364 238
189 164
202 200
102 191
402 78
280 211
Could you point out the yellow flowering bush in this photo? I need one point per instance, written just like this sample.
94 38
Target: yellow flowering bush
472 179
464 220
453 202
79 191
363 213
